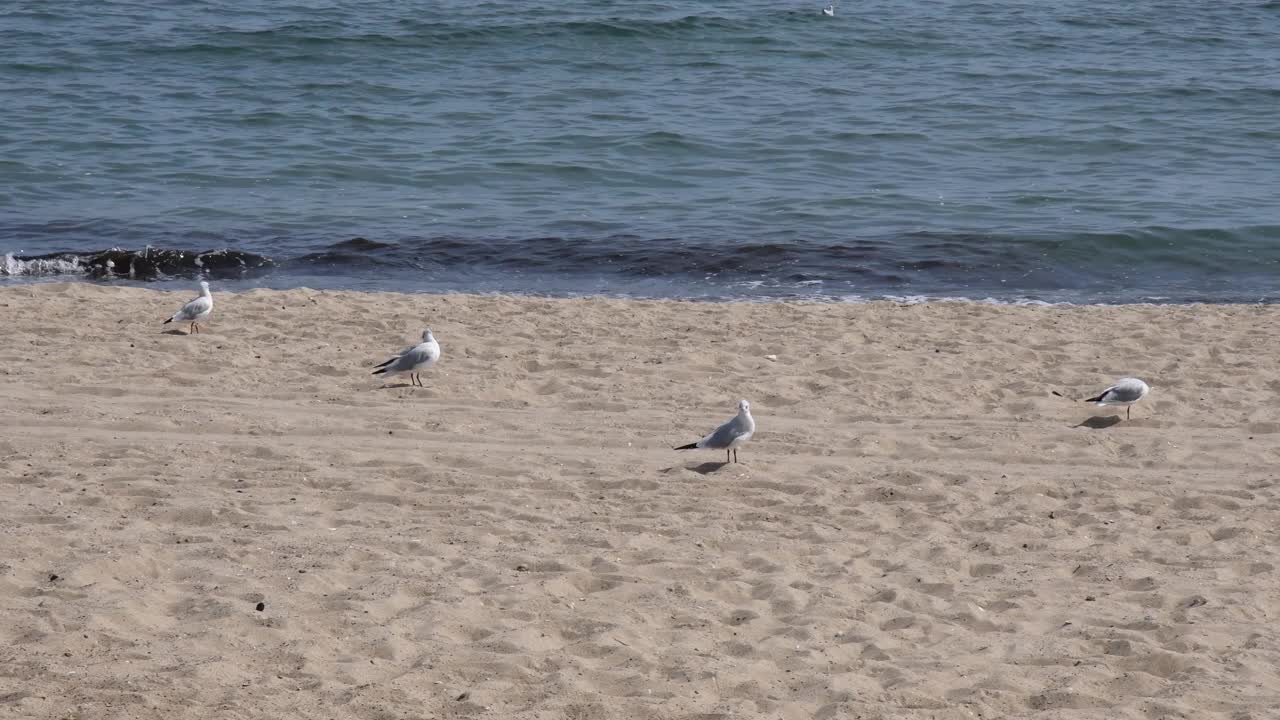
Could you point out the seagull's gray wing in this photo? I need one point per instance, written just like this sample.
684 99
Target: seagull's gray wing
725 434
194 308
411 358
1122 393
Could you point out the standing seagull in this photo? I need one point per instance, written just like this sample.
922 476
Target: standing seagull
413 360
196 310
1126 391
729 435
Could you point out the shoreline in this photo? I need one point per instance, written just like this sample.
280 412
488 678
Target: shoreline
918 529
703 274
239 286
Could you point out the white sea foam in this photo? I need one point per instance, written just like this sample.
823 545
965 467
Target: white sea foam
13 267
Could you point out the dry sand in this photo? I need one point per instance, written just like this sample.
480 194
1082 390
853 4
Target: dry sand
918 530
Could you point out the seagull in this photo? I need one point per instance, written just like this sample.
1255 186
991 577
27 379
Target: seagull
729 435
829 11
195 311
1126 391
413 360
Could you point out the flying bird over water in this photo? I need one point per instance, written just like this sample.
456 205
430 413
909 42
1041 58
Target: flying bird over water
729 435
413 360
1126 391
196 310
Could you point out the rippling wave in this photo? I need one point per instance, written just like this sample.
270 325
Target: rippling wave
1140 265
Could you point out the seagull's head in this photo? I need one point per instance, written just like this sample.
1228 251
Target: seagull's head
427 336
204 285
744 406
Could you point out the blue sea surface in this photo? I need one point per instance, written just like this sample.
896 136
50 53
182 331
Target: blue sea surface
1069 151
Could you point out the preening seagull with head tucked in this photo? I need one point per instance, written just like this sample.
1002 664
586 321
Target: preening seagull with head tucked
196 310
1126 391
413 360
729 435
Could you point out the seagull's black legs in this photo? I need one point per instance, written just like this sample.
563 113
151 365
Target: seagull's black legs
726 456
735 454
194 330
1128 412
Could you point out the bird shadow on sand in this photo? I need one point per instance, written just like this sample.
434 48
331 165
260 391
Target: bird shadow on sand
1101 422
175 331
707 468
397 386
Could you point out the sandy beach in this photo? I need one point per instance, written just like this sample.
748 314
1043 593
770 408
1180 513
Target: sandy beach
244 524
